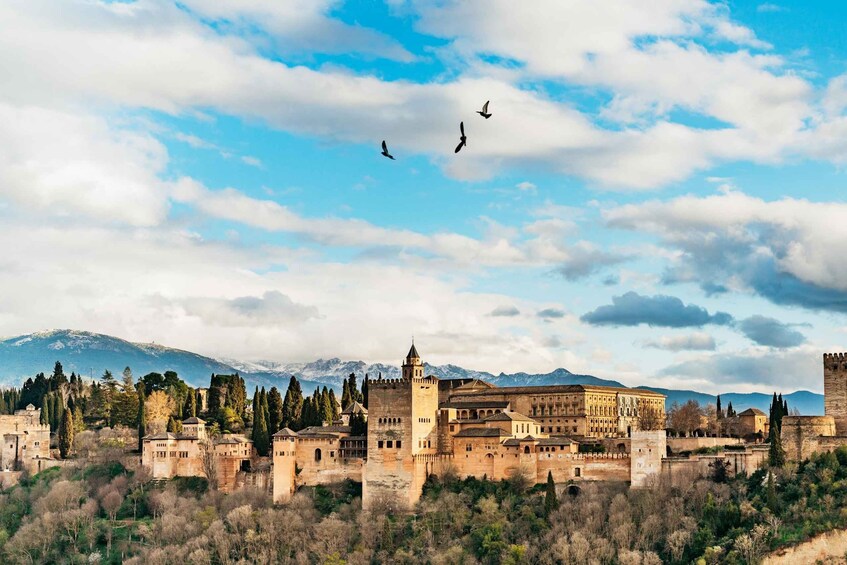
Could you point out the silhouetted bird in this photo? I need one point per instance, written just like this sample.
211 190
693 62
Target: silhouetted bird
463 139
385 151
484 112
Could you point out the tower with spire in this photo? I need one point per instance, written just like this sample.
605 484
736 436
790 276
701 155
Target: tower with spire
412 366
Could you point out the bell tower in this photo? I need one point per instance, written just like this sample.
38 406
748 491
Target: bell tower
412 366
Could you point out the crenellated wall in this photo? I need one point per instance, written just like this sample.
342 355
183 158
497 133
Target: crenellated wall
835 390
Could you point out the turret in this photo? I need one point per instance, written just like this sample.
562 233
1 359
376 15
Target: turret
412 365
835 389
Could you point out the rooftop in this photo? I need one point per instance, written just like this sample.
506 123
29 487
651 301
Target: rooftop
508 416
481 432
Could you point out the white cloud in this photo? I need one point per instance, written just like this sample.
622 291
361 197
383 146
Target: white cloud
156 56
690 342
69 165
185 292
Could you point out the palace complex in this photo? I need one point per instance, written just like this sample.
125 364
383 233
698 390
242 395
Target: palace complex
420 425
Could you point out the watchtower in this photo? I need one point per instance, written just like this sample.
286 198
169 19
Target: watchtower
402 425
835 389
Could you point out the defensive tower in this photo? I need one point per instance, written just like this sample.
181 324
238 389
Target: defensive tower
835 389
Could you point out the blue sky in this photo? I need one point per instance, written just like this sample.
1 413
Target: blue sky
658 197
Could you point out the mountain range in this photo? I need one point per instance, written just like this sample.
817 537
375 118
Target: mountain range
90 354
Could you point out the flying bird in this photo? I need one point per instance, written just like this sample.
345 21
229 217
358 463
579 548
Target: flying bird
463 140
385 151
484 112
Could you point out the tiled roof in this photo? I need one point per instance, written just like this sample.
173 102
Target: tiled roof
481 432
471 404
752 412
355 408
285 432
508 416
193 420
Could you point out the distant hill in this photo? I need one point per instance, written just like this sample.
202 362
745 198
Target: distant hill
88 354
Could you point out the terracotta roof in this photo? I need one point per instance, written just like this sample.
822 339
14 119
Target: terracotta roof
193 420
752 412
481 432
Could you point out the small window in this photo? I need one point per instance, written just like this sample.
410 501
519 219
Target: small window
399 444
379 444
389 444
468 447
577 472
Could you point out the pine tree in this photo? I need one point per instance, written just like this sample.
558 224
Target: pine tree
66 434
551 502
142 417
274 411
776 455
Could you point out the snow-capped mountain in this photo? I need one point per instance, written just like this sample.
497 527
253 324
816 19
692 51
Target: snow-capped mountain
90 354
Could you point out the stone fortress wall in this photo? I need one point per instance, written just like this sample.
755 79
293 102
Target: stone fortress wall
803 436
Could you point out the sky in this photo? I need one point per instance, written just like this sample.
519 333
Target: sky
658 197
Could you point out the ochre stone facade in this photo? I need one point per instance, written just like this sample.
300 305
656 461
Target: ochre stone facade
169 455
26 442
419 425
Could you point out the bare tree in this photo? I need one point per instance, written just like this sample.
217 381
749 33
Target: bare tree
210 463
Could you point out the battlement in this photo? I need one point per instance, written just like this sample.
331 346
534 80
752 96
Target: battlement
835 361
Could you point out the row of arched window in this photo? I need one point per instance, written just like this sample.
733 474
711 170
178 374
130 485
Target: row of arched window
389 420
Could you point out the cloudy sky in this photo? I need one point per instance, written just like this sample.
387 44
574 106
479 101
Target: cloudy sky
658 197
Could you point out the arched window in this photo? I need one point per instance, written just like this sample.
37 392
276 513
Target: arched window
317 455
526 449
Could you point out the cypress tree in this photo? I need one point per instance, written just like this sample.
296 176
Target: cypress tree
58 411
551 502
263 403
260 432
776 455
327 409
333 402
729 411
345 395
784 411
772 501
274 411
171 425
365 391
45 411
66 434
719 411
190 408
142 417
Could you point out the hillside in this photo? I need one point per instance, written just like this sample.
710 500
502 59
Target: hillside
88 354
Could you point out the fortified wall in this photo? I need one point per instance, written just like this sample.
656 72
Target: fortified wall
803 436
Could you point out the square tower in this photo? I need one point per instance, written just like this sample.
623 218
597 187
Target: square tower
835 389
402 425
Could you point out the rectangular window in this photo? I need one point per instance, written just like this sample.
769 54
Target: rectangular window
379 444
577 472
399 444
389 444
